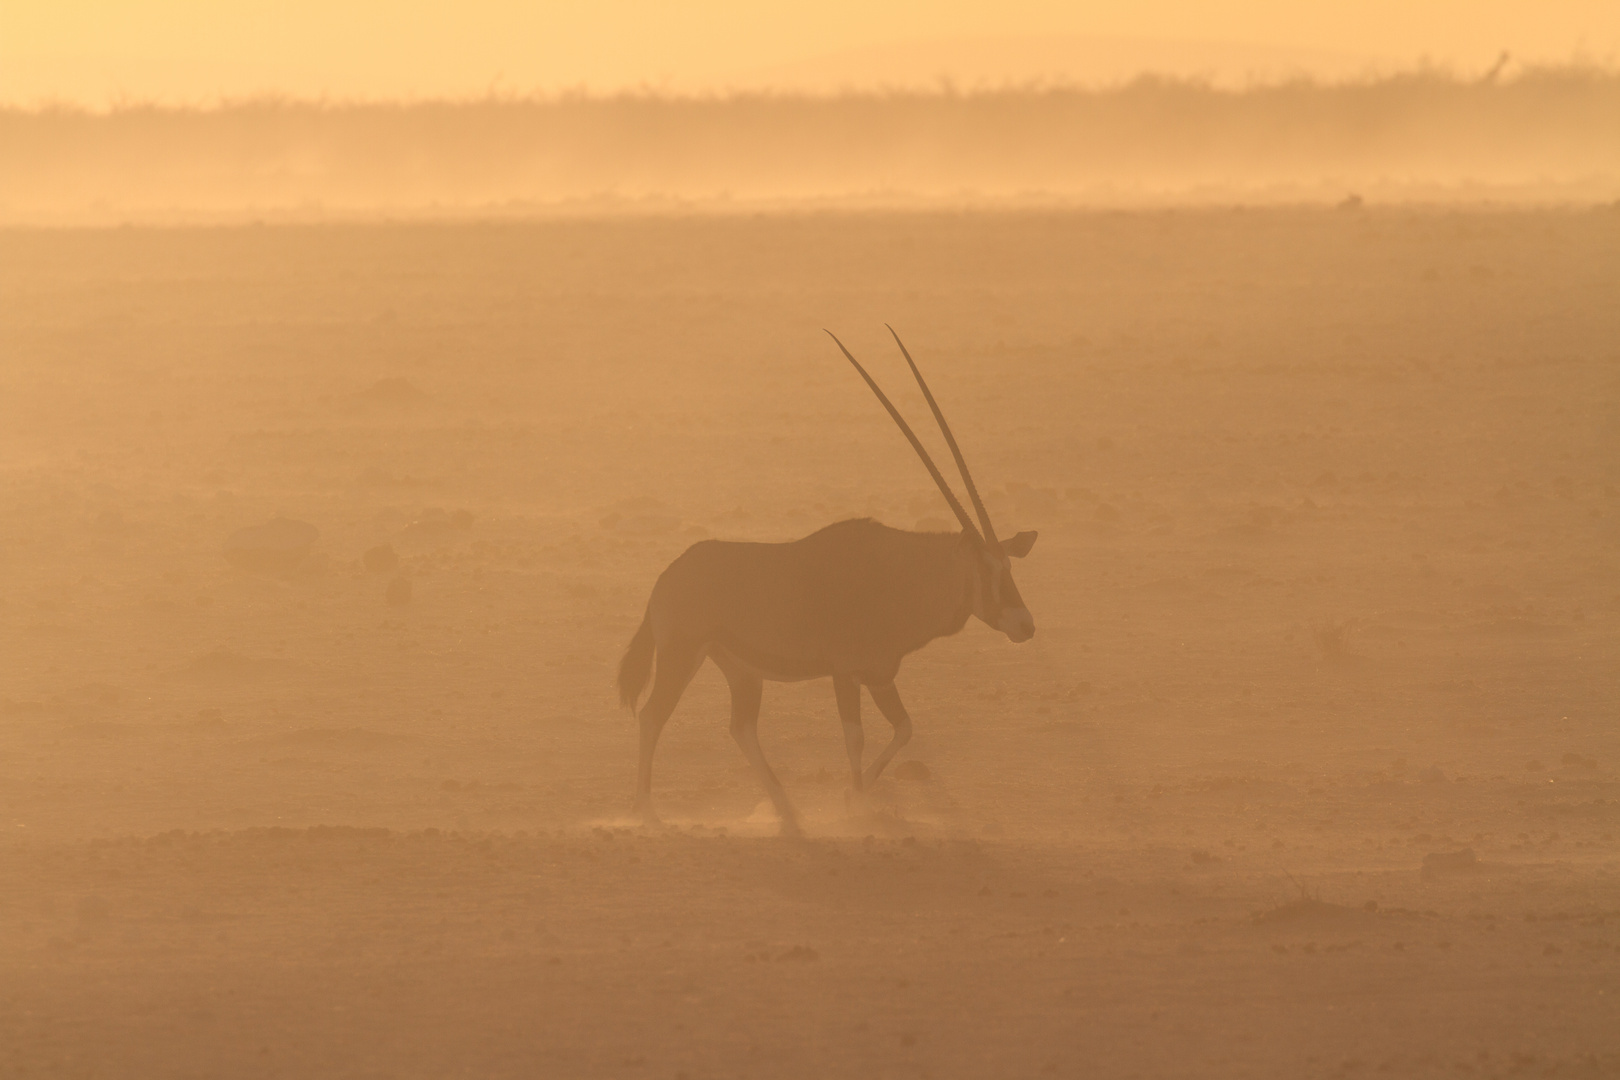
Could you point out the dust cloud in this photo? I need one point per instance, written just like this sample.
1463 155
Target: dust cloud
322 544
1543 134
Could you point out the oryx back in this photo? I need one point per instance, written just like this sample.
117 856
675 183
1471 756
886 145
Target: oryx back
853 598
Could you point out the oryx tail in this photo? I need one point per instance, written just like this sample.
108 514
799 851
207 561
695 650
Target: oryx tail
636 667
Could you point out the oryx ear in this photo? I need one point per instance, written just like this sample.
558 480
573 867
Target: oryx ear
1019 545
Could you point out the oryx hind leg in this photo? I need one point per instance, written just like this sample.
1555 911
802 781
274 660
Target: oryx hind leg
677 663
847 691
747 689
887 699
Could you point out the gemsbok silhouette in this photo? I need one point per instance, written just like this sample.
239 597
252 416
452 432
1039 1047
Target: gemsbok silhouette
850 601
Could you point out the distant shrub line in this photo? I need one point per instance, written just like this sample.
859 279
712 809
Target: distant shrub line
1552 126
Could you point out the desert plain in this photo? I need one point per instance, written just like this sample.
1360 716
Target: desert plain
1312 767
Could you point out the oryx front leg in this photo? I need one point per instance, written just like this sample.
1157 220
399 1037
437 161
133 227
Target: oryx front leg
848 692
888 703
746 691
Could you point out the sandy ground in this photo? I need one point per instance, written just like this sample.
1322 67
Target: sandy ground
1328 597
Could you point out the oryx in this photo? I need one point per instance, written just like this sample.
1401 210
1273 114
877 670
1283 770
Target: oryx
849 601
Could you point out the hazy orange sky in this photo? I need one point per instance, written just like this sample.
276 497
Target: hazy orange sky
96 51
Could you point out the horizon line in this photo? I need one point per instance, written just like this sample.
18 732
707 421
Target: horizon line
944 88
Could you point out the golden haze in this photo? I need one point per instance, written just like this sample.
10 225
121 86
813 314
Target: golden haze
358 458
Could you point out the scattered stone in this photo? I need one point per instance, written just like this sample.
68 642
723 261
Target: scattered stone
641 516
913 770
1201 857
1308 910
104 695
381 559
377 476
1575 761
1432 775
436 528
802 954
399 591
1450 862
1331 640
222 665
93 909
336 739
392 391
276 547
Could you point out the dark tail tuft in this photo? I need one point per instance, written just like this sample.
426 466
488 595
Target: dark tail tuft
636 666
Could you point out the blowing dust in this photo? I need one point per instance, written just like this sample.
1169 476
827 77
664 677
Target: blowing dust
1541 135
322 546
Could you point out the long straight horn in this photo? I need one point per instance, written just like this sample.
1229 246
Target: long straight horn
950 440
911 436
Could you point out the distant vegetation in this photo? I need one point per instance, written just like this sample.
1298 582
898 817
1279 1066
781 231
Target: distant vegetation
1549 134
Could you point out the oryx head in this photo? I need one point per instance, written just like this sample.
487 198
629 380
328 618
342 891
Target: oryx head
995 595
996 599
